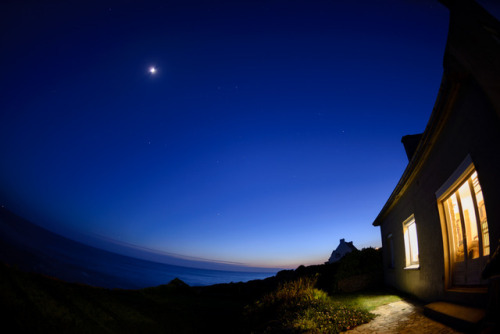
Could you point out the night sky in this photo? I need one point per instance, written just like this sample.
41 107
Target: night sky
270 129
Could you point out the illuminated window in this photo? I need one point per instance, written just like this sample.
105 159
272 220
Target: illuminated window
466 219
411 243
465 226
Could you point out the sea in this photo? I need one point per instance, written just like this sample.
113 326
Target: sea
32 248
133 273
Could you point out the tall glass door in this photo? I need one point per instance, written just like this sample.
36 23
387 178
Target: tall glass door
468 236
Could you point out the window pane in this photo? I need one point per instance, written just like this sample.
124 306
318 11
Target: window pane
411 242
412 230
407 248
470 222
467 228
482 214
453 217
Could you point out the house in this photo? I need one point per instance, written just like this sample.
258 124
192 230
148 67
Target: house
442 221
342 249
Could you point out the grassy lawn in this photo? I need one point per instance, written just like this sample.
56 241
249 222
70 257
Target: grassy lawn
367 300
298 307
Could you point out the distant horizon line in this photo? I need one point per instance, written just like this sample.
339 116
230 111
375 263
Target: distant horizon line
144 253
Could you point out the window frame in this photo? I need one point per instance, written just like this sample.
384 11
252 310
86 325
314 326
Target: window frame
411 245
461 176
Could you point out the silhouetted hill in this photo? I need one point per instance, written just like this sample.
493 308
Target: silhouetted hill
33 303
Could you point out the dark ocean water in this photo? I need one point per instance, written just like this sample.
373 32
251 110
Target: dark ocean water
112 270
138 273
34 249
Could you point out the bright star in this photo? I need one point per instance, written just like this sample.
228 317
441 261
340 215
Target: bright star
152 70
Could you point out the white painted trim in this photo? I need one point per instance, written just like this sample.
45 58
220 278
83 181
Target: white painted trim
412 267
409 219
464 168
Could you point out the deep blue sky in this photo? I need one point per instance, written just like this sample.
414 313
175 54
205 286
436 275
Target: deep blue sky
270 130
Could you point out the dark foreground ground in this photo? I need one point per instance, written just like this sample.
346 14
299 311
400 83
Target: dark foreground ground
33 303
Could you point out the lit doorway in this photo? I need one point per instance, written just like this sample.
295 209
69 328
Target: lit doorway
467 229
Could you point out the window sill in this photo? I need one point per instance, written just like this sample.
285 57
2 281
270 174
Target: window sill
469 289
412 267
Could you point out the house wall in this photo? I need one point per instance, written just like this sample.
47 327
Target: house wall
473 128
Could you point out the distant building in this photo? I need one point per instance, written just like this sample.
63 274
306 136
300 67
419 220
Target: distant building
442 221
342 249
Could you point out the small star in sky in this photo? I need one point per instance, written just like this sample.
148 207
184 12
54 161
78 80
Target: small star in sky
152 70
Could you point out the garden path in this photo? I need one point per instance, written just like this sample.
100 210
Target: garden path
402 317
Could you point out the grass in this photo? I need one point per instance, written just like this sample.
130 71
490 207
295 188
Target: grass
298 307
32 303
367 300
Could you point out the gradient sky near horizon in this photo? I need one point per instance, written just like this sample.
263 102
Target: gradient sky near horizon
269 131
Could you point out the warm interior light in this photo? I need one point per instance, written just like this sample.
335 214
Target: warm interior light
411 242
